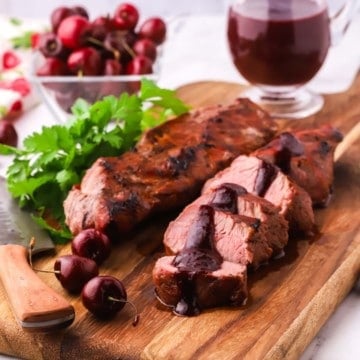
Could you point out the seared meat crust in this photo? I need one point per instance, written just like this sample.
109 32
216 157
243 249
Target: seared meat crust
167 168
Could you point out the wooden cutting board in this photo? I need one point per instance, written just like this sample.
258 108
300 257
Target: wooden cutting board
289 299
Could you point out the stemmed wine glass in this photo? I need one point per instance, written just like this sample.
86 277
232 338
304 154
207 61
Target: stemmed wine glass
279 46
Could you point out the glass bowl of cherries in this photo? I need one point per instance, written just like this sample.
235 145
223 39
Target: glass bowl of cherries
90 59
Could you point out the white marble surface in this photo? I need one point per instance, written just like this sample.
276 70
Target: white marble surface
202 57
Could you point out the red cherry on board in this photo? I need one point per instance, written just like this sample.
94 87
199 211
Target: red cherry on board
91 243
74 271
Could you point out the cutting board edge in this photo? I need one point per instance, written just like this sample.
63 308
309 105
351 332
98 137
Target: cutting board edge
341 281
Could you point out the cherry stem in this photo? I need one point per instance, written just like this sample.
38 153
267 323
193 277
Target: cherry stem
128 49
95 41
100 43
137 315
48 271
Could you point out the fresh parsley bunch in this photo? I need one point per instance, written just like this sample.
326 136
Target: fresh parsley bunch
53 160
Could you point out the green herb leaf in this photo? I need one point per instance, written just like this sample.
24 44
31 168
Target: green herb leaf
54 159
23 41
15 21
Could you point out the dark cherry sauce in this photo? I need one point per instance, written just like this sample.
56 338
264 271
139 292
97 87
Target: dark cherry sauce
288 147
199 255
225 197
277 42
264 178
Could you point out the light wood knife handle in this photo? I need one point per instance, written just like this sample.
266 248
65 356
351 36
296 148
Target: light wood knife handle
36 306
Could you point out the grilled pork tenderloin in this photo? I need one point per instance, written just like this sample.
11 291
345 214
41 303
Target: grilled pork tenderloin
264 179
167 168
197 277
250 232
306 156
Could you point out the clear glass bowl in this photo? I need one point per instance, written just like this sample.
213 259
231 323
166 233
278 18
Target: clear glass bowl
60 92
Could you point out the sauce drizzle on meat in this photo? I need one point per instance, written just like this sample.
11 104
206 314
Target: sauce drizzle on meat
264 178
288 147
199 253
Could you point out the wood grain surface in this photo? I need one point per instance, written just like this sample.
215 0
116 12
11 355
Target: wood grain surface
289 299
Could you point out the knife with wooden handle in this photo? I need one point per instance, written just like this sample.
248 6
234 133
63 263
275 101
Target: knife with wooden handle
36 306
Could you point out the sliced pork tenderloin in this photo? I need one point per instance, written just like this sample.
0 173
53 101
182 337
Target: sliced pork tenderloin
262 178
226 286
249 235
306 156
198 277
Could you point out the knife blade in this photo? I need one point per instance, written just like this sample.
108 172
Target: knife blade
36 306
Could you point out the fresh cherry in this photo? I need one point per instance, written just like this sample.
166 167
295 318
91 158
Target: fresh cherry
112 67
85 61
58 15
126 17
139 65
52 67
145 47
104 296
8 134
51 46
73 31
80 10
100 27
93 244
74 271
153 29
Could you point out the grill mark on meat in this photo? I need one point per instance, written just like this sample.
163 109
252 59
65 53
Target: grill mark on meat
217 120
264 178
324 148
179 164
199 255
116 207
106 164
84 220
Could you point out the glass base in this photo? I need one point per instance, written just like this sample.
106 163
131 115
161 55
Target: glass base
295 104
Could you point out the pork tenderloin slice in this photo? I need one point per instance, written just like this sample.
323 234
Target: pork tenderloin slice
306 156
235 238
293 202
226 286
